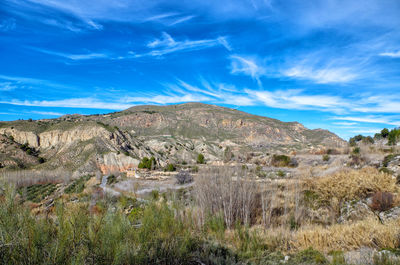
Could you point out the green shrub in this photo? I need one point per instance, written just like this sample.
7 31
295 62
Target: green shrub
170 168
147 163
111 179
326 158
200 159
356 150
280 173
310 257
282 161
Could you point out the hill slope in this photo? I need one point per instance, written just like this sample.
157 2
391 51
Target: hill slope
174 133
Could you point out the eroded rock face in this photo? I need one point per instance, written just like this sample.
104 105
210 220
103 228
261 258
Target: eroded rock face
113 162
57 137
22 137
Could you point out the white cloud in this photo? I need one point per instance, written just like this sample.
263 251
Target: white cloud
367 130
166 44
296 99
90 103
75 57
49 113
344 123
321 76
7 86
370 119
181 20
247 66
391 54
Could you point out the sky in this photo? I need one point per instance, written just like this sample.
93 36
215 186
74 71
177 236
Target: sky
331 64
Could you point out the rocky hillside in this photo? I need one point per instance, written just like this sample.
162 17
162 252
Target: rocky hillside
172 134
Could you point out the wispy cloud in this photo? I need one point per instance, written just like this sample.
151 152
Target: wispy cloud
297 99
166 44
47 113
181 20
8 24
247 65
391 54
75 57
15 82
371 119
345 123
367 130
7 86
90 103
323 75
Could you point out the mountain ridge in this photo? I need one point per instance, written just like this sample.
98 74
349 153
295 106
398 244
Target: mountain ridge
172 134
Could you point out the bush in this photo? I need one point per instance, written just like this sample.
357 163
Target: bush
309 256
280 173
382 201
41 160
170 168
325 158
183 177
356 150
200 159
147 163
280 161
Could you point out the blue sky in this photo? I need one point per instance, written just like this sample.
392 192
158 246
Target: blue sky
331 64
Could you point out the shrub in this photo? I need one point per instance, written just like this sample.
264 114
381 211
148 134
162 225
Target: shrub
111 179
280 161
280 173
41 160
356 150
200 159
325 158
382 201
309 256
170 168
147 163
184 177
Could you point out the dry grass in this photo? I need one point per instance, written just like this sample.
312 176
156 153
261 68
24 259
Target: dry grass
23 178
352 184
368 233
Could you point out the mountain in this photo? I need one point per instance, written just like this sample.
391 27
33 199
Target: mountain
172 134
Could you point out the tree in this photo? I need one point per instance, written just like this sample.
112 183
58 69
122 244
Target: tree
200 159
393 136
385 133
